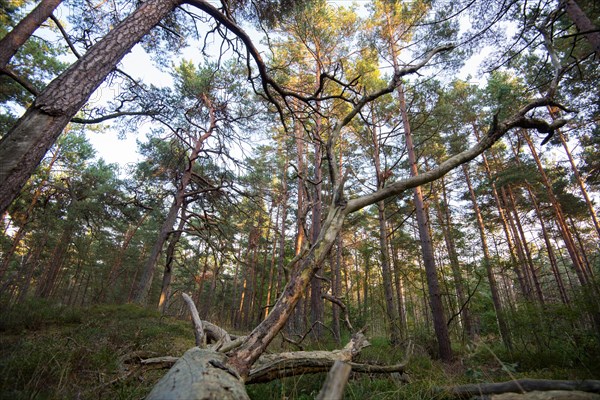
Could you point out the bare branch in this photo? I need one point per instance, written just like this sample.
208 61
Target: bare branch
495 132
65 35
20 80
198 330
341 305
107 117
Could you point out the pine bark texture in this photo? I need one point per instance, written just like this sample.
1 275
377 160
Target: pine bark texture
24 146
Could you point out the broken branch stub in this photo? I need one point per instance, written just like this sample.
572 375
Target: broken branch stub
333 388
198 329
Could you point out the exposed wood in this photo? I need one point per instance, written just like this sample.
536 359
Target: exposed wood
318 366
274 366
199 374
521 386
341 305
215 333
164 362
198 329
333 388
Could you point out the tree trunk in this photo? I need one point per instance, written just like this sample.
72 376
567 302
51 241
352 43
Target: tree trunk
580 182
316 302
336 287
28 213
530 264
199 374
504 221
502 325
520 386
435 295
446 223
560 218
398 284
11 43
549 249
261 336
145 282
272 263
583 24
386 274
165 289
118 263
24 146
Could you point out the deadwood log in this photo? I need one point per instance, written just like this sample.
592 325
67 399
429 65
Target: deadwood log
270 367
333 388
274 366
200 375
521 386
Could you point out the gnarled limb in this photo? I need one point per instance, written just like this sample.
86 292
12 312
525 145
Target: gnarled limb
341 305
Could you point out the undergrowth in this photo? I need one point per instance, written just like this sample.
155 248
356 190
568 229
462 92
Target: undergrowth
52 352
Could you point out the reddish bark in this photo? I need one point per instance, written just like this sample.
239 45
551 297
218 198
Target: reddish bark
11 43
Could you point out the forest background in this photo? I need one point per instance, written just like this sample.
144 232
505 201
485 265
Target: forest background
314 158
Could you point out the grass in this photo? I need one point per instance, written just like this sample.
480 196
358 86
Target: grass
52 352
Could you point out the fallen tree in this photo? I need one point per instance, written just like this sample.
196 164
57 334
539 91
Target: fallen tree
202 372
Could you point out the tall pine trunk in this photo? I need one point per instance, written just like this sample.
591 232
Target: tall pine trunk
445 218
435 294
487 261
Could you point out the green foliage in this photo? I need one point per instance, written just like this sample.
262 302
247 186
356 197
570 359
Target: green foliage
556 335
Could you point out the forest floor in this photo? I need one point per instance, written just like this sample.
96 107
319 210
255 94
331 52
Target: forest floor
53 352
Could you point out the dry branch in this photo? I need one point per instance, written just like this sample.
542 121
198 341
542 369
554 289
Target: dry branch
341 305
333 388
274 366
198 329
